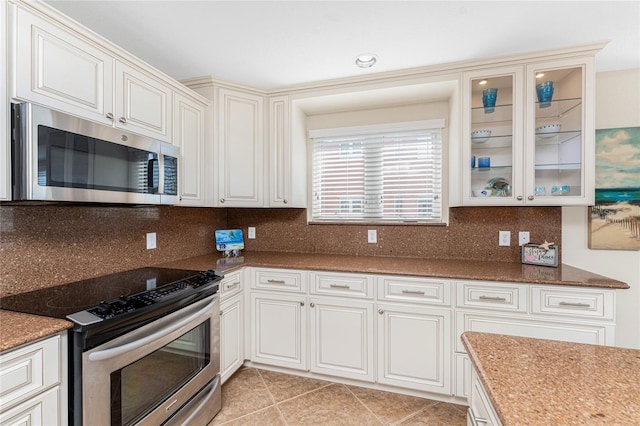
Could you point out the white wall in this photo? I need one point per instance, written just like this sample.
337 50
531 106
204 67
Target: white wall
617 105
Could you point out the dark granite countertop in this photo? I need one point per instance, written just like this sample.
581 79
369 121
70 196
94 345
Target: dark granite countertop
545 382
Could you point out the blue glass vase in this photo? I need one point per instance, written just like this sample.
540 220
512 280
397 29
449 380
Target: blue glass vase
489 97
545 93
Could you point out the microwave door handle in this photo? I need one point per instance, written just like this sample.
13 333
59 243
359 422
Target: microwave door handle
161 174
150 183
139 341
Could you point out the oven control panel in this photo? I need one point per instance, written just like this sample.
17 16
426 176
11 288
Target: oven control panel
126 304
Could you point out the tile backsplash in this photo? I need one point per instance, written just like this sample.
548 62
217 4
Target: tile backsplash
43 246
472 233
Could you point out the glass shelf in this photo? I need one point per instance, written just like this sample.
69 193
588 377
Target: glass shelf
502 113
501 141
557 138
558 108
559 166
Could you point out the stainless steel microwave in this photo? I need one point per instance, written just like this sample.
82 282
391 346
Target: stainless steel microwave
59 157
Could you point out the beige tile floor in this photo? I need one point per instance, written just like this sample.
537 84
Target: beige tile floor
260 397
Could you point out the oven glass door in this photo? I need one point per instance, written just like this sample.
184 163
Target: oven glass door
137 388
70 160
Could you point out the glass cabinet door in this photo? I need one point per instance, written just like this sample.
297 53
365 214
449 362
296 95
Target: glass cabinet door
557 157
493 135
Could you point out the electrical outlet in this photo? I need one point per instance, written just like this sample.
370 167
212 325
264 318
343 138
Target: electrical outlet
372 236
523 238
251 233
504 238
151 240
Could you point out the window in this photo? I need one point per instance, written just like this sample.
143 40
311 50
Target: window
384 173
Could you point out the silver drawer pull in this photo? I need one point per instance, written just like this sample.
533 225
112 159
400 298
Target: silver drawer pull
276 281
237 283
493 298
575 305
339 286
418 292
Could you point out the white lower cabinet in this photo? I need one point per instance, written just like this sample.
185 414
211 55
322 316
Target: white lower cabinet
33 378
342 338
414 347
279 330
403 332
231 336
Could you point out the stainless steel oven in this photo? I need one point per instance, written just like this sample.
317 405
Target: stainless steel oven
146 376
144 348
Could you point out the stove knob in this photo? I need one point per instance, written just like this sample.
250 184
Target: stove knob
103 308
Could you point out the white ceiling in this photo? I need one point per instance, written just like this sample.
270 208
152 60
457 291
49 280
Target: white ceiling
274 44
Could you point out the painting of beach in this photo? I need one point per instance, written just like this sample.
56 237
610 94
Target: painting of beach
614 221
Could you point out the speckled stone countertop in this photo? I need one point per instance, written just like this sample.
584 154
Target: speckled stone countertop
17 329
544 382
456 269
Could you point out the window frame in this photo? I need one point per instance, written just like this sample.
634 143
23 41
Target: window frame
423 205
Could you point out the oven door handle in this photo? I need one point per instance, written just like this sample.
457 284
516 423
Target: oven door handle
144 340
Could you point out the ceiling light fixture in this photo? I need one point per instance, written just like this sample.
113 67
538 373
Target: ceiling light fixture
482 82
540 75
366 60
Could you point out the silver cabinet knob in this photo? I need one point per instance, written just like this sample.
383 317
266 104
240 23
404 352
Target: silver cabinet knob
222 200
109 116
381 311
285 201
530 197
122 120
220 313
301 303
519 198
313 305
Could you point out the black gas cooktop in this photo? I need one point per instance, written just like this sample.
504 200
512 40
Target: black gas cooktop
109 296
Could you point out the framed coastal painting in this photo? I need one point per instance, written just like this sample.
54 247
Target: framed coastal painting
614 221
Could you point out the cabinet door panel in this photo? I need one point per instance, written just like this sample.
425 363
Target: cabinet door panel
278 330
60 70
415 348
145 104
231 336
342 338
280 152
44 409
241 150
189 135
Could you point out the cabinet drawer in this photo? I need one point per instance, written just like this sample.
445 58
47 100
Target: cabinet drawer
29 370
552 329
346 285
279 280
44 409
415 290
231 284
500 297
581 303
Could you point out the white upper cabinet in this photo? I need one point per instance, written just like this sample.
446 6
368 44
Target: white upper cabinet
240 148
287 154
5 122
188 134
56 68
142 103
524 149
62 66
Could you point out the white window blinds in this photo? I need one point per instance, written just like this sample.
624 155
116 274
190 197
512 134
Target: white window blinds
378 173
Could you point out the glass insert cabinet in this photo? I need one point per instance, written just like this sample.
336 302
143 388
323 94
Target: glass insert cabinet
528 134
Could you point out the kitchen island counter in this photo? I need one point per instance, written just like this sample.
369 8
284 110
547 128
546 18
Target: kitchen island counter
435 268
545 382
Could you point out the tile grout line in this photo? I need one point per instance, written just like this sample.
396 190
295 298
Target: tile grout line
273 398
364 405
410 416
